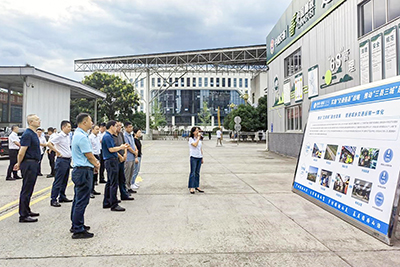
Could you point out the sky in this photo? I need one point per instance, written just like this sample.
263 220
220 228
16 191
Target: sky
51 34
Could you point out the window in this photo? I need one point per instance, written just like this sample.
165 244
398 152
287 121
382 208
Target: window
394 9
373 14
240 82
165 82
205 82
223 82
142 83
176 82
200 81
293 118
229 82
141 93
182 82
188 82
234 82
159 82
153 82
136 83
194 82
212 82
217 82
293 63
246 83
170 82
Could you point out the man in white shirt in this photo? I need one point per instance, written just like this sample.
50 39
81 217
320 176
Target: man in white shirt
61 144
13 148
94 138
43 145
219 137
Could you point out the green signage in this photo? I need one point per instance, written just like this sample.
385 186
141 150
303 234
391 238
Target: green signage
300 17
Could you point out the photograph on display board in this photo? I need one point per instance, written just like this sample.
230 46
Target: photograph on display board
318 150
341 183
361 190
326 177
347 154
312 174
368 157
330 153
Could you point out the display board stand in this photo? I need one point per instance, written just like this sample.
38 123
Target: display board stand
349 161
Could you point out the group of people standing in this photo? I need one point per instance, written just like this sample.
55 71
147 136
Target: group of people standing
107 147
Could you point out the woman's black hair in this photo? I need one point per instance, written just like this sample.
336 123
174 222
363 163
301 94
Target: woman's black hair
194 128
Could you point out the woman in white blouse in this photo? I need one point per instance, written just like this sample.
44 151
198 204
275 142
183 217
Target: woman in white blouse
196 159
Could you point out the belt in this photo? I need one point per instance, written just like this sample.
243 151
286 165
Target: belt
63 158
112 159
31 160
84 167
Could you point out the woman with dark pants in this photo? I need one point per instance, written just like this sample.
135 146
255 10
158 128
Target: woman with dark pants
196 159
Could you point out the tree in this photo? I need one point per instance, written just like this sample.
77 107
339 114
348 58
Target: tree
139 120
249 116
262 110
204 115
120 103
159 119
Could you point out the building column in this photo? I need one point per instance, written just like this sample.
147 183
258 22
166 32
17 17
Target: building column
193 121
212 121
95 111
173 120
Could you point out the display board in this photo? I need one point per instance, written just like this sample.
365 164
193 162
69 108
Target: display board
313 84
286 92
364 62
349 161
390 37
376 54
298 87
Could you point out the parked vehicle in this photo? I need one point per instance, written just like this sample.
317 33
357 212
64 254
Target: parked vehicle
4 140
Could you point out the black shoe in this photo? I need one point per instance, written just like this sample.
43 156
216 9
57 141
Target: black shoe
118 208
103 181
91 195
18 177
132 191
55 204
192 192
119 201
127 198
87 228
40 174
106 206
50 176
96 193
27 220
64 200
81 235
33 214
200 191
10 179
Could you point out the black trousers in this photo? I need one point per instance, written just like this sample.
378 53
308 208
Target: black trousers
111 188
13 153
29 170
52 156
102 167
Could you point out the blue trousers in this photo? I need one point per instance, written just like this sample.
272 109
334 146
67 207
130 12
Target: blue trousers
82 178
194 177
111 188
61 179
29 171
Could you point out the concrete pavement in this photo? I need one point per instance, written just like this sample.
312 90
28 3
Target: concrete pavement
247 217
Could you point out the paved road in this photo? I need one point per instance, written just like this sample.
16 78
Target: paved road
247 217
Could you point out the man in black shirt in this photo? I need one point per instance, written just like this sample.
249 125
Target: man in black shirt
28 161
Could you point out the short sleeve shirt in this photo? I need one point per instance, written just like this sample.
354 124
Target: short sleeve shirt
80 146
31 140
195 151
106 143
129 139
96 145
62 143
11 139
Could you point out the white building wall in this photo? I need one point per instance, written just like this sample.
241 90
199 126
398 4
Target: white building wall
50 101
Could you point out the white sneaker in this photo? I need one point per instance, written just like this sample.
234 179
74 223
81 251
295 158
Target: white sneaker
134 187
137 185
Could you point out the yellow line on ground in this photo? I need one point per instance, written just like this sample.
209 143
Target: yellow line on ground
32 202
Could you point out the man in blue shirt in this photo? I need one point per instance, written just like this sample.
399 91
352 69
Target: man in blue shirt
28 161
82 175
111 163
131 158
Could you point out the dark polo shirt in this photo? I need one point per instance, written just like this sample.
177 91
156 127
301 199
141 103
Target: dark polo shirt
30 139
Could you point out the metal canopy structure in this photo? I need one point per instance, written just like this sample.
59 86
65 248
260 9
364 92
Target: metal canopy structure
233 59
